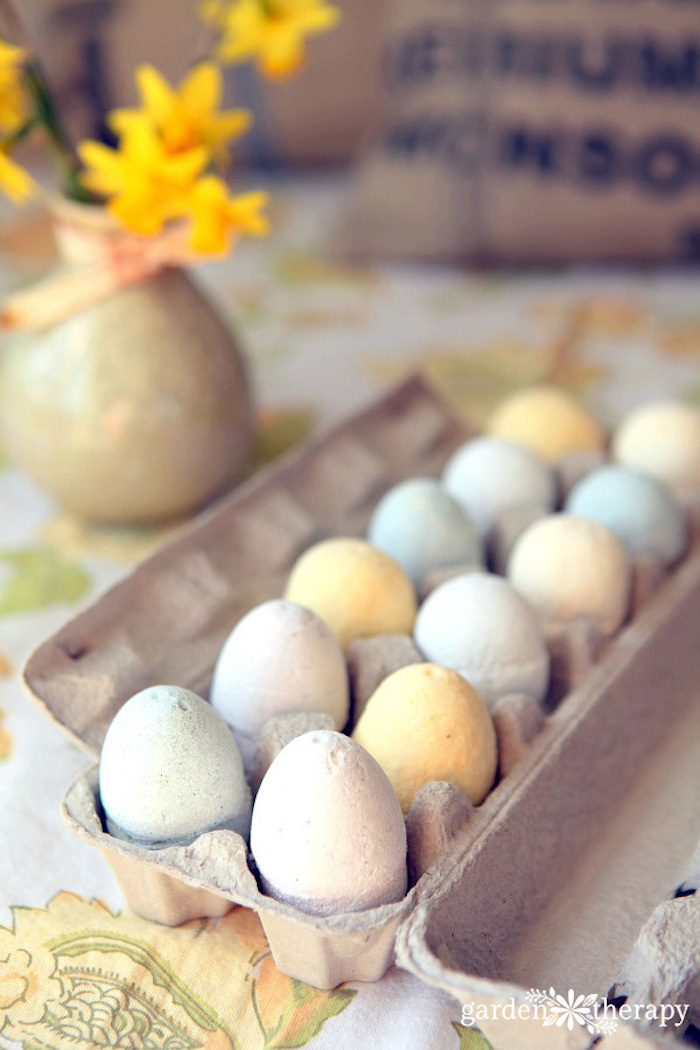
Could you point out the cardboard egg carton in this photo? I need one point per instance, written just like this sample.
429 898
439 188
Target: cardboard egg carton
551 880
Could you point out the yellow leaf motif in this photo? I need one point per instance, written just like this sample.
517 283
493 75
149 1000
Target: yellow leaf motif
291 1013
271 31
681 339
6 742
38 577
27 982
278 430
77 974
185 117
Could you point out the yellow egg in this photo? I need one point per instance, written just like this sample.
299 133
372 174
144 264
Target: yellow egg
548 421
358 590
425 722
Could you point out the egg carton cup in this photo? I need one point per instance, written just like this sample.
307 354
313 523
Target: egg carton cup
552 878
210 875
207 877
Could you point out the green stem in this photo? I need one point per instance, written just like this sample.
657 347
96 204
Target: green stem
44 110
47 116
8 144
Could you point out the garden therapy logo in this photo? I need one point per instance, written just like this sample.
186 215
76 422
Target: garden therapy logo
592 1012
572 1010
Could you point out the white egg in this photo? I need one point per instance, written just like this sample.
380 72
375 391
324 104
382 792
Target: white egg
279 659
170 770
479 625
489 476
328 834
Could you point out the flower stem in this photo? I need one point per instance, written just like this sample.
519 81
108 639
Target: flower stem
47 116
45 112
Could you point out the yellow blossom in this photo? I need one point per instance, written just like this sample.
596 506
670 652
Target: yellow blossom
13 101
271 31
14 180
145 185
216 216
186 116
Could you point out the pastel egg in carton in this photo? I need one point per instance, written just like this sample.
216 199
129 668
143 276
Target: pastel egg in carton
482 876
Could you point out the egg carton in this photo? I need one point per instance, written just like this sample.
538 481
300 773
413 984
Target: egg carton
550 881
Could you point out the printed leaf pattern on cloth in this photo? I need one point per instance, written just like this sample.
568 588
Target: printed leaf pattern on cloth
76 974
6 741
471 1038
33 578
279 430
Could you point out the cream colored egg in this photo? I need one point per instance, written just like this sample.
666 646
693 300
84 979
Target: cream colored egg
170 770
547 420
358 590
279 659
663 439
425 722
570 568
327 834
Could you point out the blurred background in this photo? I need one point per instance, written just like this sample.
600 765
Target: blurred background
90 49
518 131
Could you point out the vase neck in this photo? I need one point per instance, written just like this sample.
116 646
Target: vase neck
83 243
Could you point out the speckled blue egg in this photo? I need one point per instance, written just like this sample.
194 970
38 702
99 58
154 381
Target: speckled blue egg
423 528
636 507
170 769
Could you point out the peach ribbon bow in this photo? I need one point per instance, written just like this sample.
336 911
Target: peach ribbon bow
123 259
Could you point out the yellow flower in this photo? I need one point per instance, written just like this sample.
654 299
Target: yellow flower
187 116
144 183
14 181
272 31
13 101
216 216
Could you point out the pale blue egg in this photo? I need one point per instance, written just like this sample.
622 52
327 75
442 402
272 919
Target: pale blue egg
423 528
639 509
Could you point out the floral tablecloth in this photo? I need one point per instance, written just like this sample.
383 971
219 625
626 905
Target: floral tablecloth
76 969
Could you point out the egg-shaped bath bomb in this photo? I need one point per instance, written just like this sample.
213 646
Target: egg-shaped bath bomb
489 476
479 625
425 722
328 835
548 421
170 770
569 568
358 590
636 507
279 659
663 439
423 528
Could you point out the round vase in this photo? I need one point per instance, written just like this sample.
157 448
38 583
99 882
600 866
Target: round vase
138 407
